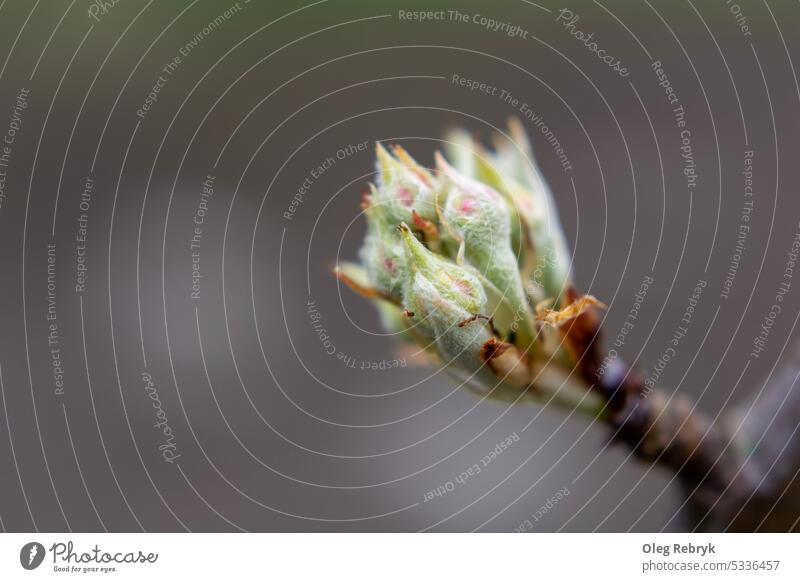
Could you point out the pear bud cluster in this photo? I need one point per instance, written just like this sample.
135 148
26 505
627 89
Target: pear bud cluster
468 260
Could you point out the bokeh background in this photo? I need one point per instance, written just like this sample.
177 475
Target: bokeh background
269 431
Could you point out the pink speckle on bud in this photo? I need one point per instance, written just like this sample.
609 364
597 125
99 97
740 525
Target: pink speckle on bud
464 287
405 197
461 285
389 264
467 205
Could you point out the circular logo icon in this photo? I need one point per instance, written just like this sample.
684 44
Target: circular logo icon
31 555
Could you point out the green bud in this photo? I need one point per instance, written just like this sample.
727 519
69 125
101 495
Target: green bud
461 150
478 216
445 300
464 283
536 236
455 284
442 299
471 159
403 187
513 170
382 253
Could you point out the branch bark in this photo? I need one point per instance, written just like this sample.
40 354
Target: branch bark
741 473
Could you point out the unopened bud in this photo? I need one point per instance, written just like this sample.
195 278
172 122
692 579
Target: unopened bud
382 253
513 170
455 284
403 186
458 261
479 217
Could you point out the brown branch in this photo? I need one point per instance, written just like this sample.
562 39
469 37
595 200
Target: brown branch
741 473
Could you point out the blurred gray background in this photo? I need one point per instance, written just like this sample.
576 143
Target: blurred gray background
270 432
